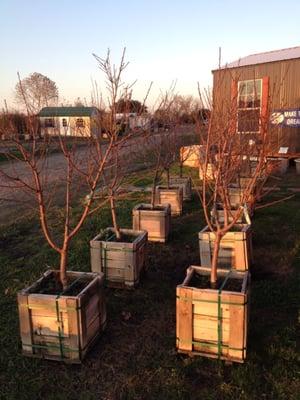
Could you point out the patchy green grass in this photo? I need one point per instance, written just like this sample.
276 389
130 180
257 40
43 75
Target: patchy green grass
136 357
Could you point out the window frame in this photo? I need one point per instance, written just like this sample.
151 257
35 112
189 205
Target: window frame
260 80
49 122
80 122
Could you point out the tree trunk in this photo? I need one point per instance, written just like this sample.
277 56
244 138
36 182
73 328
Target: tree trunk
63 267
154 190
114 217
168 178
214 261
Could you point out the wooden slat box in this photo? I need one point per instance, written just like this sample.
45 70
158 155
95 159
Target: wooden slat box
219 215
190 155
186 184
172 196
243 183
212 322
62 327
157 221
120 262
236 198
235 247
209 172
277 165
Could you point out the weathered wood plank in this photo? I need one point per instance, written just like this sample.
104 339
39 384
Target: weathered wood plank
184 317
25 324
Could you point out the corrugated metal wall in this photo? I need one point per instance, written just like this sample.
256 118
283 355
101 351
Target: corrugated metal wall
284 92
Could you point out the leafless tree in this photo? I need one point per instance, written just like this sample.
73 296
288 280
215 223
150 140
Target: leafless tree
81 172
37 90
228 153
120 161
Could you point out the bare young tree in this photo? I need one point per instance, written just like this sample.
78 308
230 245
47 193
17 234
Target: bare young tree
229 153
79 172
164 147
119 99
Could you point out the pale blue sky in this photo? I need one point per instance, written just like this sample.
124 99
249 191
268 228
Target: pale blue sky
165 40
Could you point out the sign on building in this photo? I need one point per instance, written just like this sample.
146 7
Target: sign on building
289 118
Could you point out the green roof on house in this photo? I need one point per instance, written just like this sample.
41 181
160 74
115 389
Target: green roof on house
68 111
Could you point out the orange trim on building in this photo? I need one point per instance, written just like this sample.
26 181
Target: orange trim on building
234 98
264 102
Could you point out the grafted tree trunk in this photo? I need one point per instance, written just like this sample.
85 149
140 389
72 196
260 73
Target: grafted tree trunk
114 217
180 169
168 178
63 266
214 261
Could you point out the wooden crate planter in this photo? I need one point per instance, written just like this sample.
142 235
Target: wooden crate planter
235 195
62 327
172 196
120 262
212 322
157 222
209 172
190 155
277 165
186 184
235 248
219 215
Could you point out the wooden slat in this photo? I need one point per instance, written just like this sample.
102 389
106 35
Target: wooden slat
25 324
73 332
184 317
236 334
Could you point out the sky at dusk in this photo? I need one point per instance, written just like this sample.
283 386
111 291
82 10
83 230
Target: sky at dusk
165 40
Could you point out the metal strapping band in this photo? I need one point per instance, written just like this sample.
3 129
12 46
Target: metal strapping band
60 328
220 315
51 346
181 298
210 344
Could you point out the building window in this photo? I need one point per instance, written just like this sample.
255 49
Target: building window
249 106
64 122
79 123
49 122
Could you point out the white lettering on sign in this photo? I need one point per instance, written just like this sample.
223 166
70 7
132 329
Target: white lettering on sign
290 114
293 121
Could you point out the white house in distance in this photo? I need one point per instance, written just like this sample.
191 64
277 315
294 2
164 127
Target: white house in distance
69 121
134 120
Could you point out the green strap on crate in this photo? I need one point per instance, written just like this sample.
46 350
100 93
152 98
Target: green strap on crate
230 303
104 250
60 325
52 346
60 346
220 315
211 344
60 328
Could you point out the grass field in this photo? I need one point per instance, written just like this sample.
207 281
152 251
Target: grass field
136 357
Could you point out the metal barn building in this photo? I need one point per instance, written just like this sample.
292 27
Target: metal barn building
264 85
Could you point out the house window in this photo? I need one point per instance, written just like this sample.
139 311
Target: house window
79 123
49 122
64 122
249 106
